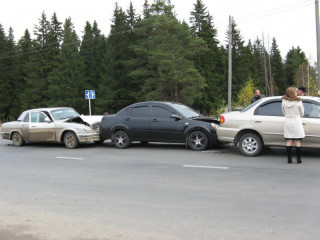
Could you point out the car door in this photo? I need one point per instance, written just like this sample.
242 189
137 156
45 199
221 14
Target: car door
268 120
311 123
25 127
137 120
163 127
39 129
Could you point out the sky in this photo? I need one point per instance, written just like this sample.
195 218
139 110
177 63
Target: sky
291 22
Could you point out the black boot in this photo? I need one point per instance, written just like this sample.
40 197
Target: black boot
289 153
298 150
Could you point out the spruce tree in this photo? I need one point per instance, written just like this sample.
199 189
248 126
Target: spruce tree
92 51
295 57
67 79
15 83
209 64
9 103
40 64
277 67
118 91
146 9
164 67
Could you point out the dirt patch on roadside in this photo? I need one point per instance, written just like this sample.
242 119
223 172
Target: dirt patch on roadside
14 234
19 223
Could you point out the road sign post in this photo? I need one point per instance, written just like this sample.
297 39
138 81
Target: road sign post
90 94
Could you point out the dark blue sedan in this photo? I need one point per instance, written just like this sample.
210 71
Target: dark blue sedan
160 122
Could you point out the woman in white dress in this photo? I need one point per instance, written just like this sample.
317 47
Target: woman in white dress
293 112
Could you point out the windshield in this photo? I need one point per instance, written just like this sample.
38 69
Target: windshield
186 111
251 105
22 116
60 114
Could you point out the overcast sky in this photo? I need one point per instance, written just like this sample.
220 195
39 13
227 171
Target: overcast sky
291 22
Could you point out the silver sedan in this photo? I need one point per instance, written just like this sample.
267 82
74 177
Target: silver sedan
262 124
61 125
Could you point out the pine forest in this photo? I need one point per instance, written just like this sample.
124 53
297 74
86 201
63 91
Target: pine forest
152 56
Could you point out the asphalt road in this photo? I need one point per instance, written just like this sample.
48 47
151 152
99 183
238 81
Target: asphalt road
156 192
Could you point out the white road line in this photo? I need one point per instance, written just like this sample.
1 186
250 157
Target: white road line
70 158
212 167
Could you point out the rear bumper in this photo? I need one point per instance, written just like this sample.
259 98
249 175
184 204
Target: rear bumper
227 135
88 137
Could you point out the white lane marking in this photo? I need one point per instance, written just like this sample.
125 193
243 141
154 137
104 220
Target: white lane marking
70 158
213 167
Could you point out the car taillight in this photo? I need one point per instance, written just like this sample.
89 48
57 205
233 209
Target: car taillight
222 119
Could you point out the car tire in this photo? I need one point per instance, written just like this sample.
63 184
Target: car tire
70 140
198 141
250 144
120 139
17 139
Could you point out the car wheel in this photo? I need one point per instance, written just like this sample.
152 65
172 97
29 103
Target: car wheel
17 139
121 139
71 140
250 144
198 141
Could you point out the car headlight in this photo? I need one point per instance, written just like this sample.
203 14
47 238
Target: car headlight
88 129
96 127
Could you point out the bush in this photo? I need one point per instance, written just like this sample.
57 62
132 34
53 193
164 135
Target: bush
245 95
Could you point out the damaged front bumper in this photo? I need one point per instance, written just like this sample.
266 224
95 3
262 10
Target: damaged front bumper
89 137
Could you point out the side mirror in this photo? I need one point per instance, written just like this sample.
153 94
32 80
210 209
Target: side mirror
175 116
46 119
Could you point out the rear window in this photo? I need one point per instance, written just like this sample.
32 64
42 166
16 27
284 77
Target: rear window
270 109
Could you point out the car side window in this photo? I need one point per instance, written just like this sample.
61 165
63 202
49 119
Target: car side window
269 109
159 112
311 110
38 117
141 111
26 118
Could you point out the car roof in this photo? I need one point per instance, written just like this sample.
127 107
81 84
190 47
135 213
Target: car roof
49 109
163 102
280 97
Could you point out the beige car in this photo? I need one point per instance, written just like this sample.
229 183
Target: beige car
261 124
61 125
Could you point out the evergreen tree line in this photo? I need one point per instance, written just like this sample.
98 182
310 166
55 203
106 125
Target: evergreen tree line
148 57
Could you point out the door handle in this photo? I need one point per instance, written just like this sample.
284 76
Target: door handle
304 123
127 119
257 121
154 120
33 126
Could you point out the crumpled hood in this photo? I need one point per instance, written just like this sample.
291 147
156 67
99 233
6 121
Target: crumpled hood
92 121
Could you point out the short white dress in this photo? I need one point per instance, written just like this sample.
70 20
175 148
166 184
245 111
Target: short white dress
293 112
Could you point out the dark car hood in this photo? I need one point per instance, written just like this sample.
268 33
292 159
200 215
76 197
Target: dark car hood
207 119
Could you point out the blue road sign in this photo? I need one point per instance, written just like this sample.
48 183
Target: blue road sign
90 94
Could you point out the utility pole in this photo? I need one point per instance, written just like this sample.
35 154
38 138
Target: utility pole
230 66
318 44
